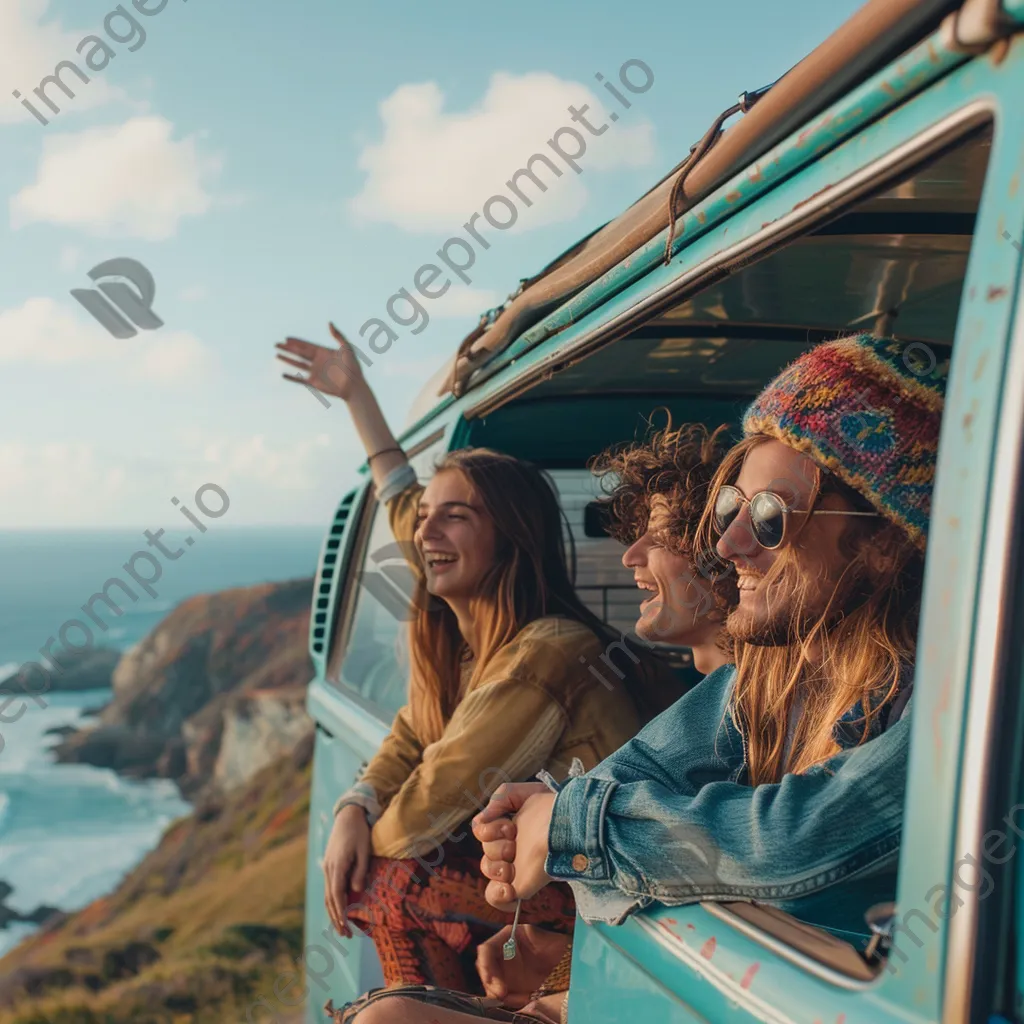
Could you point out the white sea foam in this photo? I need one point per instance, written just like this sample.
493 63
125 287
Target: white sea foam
69 833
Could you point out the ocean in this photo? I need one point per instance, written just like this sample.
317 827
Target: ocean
69 833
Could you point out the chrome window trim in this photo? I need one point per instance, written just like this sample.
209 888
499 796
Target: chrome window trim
798 221
786 952
989 657
759 1008
421 446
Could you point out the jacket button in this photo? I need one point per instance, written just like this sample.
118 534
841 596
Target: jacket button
580 862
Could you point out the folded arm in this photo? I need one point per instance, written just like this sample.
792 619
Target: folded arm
631 842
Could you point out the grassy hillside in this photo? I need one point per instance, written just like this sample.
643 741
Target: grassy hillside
202 928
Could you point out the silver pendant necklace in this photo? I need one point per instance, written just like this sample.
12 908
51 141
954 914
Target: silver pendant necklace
509 949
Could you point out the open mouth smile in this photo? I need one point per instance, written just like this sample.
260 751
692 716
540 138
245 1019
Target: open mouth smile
437 560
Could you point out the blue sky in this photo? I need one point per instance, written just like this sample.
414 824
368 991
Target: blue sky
276 166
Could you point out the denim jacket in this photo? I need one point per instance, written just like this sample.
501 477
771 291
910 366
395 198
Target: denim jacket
669 818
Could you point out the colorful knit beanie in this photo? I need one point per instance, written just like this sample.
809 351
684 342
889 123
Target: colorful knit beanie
868 409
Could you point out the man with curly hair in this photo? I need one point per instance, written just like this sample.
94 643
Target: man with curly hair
659 489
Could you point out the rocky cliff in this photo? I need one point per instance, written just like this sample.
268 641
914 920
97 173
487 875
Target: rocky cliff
90 669
211 695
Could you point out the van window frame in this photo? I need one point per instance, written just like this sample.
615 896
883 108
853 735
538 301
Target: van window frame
946 131
994 670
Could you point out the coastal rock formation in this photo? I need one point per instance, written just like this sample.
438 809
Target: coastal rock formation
40 915
201 930
90 669
258 728
212 694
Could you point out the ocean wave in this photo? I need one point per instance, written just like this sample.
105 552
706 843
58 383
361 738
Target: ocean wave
150 609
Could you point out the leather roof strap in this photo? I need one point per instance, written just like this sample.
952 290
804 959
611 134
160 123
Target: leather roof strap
874 35
976 26
697 152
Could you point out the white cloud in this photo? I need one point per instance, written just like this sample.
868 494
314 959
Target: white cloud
255 459
41 332
432 169
83 484
30 50
126 181
173 357
39 480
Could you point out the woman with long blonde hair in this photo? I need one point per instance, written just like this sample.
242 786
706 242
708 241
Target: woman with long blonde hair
510 674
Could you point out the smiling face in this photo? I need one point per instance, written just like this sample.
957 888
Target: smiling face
677 610
455 538
773 608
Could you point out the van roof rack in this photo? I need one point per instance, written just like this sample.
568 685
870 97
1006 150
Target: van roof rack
873 36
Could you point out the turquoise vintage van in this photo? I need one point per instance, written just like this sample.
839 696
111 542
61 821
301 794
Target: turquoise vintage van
879 185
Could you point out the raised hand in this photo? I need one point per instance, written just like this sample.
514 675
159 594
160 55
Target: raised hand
332 371
515 850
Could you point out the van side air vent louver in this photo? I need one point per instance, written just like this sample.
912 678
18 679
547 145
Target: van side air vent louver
323 598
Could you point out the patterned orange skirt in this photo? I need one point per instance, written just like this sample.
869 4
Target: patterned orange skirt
426 922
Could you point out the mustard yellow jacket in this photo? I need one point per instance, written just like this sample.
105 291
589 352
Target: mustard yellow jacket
549 695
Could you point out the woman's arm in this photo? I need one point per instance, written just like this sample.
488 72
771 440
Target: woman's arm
337 372
388 769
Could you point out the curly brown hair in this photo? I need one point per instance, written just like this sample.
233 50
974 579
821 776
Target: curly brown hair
678 463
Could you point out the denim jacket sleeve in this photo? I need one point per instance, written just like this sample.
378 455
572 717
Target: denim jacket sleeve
663 819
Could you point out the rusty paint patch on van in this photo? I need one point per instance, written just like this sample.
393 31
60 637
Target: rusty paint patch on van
979 367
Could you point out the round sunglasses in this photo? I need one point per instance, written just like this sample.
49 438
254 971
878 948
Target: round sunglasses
769 514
